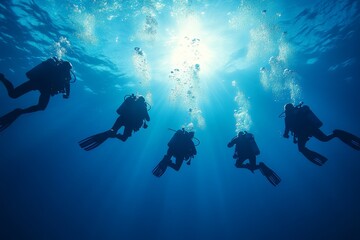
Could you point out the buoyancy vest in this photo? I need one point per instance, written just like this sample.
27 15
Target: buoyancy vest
246 145
302 118
52 74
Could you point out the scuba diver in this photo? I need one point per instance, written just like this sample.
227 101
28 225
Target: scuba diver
50 77
181 147
303 124
246 148
133 115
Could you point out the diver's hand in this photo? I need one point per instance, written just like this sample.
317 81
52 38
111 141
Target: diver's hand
286 135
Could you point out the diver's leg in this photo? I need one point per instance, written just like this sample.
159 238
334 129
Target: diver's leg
318 134
115 128
8 119
240 162
314 157
127 133
160 169
18 91
176 166
301 144
167 157
118 124
252 163
42 103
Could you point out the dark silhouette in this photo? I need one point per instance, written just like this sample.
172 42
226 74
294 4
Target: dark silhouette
133 115
303 124
246 148
181 147
50 77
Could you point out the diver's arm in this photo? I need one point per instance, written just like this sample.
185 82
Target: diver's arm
118 124
233 141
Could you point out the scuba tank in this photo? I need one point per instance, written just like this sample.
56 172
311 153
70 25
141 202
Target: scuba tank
42 70
125 105
310 118
307 116
179 133
253 147
128 99
175 138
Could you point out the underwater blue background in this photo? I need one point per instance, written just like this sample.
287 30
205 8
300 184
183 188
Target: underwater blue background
215 67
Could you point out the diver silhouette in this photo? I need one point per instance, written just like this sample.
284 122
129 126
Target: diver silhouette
303 124
181 147
50 77
133 115
247 149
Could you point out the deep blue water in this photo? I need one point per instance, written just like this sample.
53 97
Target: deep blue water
253 57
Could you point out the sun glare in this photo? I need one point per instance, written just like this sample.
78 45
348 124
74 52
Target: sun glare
188 45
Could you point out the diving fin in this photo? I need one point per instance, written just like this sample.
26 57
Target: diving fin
160 169
246 166
348 138
94 141
273 178
315 157
9 118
